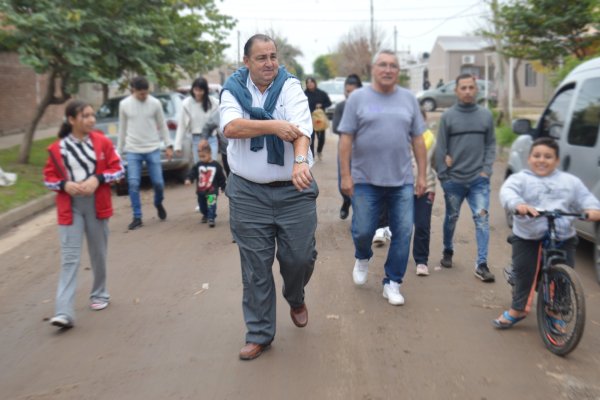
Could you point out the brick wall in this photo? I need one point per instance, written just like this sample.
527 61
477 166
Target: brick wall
20 91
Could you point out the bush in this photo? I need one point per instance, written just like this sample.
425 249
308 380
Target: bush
505 136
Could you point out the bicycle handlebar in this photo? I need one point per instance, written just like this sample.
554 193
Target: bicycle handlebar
555 214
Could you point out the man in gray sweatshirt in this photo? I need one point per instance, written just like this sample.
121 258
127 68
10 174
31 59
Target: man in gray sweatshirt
141 127
465 152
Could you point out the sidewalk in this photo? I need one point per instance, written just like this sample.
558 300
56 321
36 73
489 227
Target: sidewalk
15 139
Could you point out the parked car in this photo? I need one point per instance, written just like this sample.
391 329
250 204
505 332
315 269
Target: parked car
572 118
445 96
107 120
335 90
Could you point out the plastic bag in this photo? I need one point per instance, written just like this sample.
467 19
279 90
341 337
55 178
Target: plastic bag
319 120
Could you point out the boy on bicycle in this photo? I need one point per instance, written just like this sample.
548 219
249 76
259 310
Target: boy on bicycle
542 187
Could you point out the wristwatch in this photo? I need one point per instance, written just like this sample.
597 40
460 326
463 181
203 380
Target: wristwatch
300 160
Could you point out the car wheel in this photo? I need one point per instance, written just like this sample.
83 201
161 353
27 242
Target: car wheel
428 105
597 252
181 175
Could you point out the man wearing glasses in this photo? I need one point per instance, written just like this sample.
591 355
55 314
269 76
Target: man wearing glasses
380 126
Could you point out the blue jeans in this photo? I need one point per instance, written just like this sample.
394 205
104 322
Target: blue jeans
134 176
477 194
367 202
208 206
212 142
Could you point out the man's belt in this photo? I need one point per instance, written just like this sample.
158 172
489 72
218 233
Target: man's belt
278 184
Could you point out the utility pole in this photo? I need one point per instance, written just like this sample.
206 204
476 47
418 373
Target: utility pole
372 31
238 52
395 40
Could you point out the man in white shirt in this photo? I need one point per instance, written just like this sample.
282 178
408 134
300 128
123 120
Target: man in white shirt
141 127
272 194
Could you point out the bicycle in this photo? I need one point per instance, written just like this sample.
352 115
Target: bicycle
560 304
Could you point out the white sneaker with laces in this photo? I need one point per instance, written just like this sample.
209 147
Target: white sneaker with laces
391 291
379 238
387 233
61 321
422 270
360 272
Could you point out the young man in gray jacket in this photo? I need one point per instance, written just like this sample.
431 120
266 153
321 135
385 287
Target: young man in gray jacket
465 152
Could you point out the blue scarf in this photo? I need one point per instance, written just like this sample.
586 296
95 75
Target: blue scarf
236 84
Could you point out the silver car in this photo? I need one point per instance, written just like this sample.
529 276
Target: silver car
445 96
572 118
107 120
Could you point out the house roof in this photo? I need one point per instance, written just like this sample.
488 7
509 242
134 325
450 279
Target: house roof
463 43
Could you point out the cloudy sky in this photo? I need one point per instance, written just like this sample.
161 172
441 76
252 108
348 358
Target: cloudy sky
316 26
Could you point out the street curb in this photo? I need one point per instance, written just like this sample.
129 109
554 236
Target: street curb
28 210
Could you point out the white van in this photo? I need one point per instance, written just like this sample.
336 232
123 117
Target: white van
572 118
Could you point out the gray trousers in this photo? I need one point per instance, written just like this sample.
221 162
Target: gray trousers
71 240
267 222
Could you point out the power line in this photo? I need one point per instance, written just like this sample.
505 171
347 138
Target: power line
337 20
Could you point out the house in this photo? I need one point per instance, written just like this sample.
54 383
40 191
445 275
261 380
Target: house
454 55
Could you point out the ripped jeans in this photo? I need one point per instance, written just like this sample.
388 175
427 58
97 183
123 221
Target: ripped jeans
477 194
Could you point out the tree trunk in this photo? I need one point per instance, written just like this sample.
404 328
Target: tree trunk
49 98
516 84
104 93
39 113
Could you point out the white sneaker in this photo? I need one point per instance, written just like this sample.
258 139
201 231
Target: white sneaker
387 233
61 321
391 291
379 238
422 270
360 271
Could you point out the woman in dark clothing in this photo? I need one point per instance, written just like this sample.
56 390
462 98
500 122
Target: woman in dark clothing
316 99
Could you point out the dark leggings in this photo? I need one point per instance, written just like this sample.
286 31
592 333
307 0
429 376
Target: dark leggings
321 138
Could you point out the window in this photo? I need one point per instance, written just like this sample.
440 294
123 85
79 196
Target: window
530 76
475 71
554 117
586 115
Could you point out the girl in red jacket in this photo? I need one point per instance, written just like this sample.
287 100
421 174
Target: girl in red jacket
80 167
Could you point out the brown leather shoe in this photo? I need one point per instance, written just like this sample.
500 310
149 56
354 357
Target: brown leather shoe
299 316
252 350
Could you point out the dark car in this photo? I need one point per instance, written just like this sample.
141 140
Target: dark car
107 120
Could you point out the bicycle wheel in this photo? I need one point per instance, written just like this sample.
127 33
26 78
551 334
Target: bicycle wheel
561 310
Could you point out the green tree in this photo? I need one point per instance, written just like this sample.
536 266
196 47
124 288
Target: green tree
547 30
324 67
287 53
91 41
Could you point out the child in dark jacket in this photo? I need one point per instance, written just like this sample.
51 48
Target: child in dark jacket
209 177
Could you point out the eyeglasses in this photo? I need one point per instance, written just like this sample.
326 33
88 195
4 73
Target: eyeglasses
384 65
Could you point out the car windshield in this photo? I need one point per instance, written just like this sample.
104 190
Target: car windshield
332 87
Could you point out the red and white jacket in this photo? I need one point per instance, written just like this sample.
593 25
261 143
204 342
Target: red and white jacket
108 169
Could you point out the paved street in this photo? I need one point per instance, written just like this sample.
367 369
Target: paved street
174 326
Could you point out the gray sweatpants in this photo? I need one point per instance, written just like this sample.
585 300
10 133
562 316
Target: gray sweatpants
71 240
267 222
